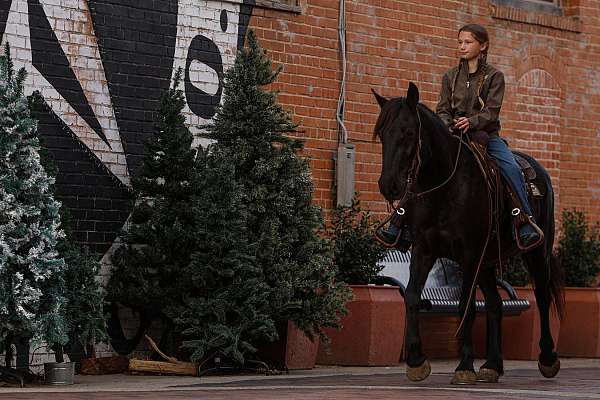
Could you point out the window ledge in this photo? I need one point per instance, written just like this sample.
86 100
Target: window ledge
278 5
559 22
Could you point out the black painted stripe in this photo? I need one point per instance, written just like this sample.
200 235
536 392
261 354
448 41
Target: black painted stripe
98 202
4 11
137 44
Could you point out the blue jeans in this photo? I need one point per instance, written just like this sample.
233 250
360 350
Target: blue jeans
509 169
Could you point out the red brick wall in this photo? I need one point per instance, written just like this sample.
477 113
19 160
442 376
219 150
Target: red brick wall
551 64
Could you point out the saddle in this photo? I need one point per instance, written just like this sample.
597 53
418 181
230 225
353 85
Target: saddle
535 187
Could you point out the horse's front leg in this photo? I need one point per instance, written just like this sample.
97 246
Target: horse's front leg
418 367
493 367
465 373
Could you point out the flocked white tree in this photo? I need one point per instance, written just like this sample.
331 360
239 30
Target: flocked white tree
31 272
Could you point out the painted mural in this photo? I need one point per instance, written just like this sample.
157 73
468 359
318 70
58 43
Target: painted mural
101 66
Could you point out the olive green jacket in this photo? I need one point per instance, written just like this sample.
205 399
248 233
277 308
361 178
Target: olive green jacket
465 100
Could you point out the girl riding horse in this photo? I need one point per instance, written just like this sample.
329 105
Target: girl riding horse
436 185
470 101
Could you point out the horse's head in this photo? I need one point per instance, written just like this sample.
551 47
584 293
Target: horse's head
398 128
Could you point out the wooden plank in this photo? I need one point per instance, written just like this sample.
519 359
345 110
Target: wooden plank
163 368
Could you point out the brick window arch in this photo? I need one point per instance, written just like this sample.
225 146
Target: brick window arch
536 120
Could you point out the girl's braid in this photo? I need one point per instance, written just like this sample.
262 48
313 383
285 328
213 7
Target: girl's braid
482 76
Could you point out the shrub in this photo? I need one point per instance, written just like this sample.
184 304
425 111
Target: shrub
356 254
579 249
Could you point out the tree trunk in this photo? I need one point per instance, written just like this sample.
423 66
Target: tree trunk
8 351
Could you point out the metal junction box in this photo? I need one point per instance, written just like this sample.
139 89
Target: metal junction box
344 168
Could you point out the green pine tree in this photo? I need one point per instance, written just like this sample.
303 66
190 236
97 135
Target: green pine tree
250 132
147 270
167 168
31 271
225 308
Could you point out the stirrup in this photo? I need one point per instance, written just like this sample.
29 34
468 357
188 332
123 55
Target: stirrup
383 223
518 238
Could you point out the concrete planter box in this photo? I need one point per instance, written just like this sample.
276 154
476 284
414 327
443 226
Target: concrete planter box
580 329
372 334
293 350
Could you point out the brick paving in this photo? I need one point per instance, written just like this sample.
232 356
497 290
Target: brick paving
574 382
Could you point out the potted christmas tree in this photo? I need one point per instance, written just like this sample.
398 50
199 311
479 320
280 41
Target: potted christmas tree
222 248
83 292
373 331
31 270
251 133
148 269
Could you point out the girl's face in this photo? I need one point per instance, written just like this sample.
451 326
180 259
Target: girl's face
468 47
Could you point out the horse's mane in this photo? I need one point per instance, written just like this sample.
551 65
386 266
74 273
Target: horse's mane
435 119
393 106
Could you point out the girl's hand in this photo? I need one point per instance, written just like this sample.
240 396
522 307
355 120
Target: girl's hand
462 123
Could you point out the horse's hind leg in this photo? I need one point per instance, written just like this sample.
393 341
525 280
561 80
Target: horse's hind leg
418 367
493 367
541 265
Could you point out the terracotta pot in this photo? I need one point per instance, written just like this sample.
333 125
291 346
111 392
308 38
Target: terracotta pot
373 331
580 329
293 350
438 335
520 333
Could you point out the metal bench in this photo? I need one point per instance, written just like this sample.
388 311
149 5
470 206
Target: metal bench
441 294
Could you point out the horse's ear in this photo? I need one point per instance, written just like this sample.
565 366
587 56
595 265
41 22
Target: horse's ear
412 97
380 99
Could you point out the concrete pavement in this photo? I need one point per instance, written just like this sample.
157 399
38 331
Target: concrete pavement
578 379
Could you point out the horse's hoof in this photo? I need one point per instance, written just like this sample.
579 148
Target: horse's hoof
551 370
488 375
418 373
464 378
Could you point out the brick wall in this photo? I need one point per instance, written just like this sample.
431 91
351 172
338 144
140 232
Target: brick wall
551 64
102 64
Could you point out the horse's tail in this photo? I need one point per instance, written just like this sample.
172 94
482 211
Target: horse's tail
551 275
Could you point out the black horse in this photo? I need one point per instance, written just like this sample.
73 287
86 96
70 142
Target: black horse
452 220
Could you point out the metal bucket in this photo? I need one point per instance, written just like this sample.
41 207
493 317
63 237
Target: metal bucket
59 373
